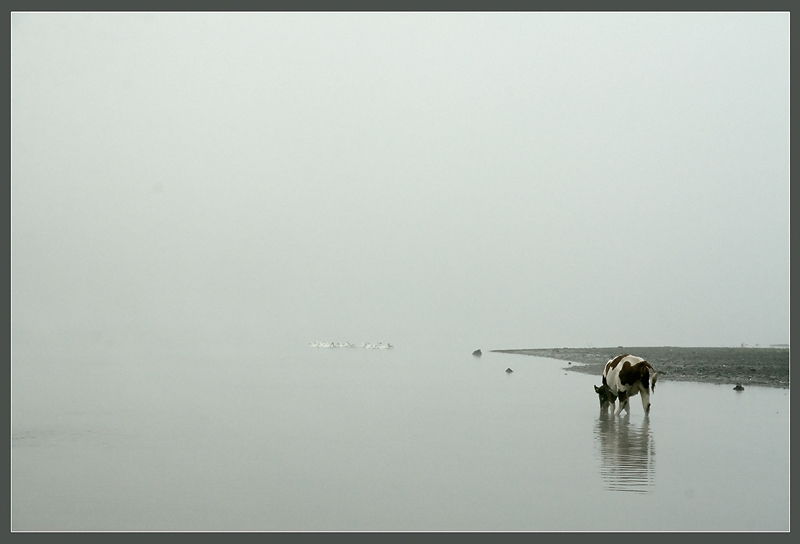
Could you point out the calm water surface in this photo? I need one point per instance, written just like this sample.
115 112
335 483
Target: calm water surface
404 439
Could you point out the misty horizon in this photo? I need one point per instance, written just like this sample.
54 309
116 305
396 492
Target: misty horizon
495 180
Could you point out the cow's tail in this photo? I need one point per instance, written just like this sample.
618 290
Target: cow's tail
653 379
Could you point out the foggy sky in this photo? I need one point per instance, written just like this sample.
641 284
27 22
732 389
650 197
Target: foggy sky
496 180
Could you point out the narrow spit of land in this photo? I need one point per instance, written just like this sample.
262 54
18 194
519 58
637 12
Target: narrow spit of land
767 367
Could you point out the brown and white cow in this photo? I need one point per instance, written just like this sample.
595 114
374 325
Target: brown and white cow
625 376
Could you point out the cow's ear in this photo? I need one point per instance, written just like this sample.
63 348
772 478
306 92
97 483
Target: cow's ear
596 389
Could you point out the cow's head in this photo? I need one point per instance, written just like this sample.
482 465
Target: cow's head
605 395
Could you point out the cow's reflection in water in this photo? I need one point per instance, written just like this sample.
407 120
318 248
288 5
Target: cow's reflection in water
627 453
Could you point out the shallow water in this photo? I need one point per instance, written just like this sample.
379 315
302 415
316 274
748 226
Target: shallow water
402 439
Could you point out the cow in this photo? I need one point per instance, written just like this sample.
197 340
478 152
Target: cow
625 376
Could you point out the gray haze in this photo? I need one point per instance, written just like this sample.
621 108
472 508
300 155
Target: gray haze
496 180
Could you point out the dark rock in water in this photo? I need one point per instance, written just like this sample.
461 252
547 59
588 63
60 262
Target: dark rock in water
477 353
738 387
509 370
569 362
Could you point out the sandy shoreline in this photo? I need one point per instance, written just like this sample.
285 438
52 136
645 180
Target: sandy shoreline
747 366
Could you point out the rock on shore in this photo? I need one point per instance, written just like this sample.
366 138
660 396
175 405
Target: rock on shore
754 366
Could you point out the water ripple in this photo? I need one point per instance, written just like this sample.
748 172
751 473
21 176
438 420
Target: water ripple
627 453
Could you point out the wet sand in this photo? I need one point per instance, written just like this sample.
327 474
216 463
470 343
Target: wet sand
767 367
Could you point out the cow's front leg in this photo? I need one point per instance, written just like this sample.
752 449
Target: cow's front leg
623 402
646 402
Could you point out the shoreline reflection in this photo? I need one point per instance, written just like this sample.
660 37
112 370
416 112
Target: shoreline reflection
627 453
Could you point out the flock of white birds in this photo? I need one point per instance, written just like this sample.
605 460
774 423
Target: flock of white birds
365 345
